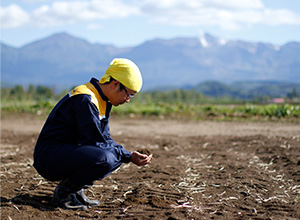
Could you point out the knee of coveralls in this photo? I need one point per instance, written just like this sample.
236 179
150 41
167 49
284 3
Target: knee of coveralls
101 163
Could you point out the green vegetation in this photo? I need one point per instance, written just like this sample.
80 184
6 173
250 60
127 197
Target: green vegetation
37 100
250 90
178 104
212 111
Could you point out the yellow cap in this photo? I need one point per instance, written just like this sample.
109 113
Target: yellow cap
126 72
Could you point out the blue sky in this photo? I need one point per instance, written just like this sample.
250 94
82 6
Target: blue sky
132 22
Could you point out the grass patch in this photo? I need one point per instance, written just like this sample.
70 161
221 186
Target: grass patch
267 112
212 111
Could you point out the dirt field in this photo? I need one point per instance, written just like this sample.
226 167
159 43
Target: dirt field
200 170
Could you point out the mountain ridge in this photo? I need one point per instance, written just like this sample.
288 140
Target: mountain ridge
64 60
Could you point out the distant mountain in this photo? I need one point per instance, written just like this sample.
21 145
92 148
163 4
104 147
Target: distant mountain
247 89
62 60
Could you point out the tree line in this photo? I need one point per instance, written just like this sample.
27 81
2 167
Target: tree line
32 92
188 96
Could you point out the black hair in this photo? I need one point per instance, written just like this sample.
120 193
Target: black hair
111 80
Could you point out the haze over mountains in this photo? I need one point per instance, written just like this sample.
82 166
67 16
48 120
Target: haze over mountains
62 60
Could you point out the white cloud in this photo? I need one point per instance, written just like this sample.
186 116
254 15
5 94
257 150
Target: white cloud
93 26
67 12
167 6
13 16
230 14
64 12
233 4
34 1
279 17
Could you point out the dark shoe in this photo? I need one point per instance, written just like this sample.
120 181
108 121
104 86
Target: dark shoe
66 199
85 200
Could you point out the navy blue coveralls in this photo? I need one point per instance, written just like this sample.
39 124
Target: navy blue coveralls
75 141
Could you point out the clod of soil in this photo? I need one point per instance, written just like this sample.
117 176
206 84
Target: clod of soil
144 151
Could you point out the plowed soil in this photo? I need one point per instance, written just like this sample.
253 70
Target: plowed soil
200 170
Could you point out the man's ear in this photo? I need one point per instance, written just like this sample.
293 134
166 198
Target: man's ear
115 84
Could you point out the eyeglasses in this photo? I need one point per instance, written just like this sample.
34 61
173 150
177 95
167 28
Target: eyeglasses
128 95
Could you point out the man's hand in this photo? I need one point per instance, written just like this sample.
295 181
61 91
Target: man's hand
140 159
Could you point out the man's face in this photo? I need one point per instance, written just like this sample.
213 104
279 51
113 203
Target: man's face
121 94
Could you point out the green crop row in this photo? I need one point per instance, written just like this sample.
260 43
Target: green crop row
39 107
204 111
173 110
